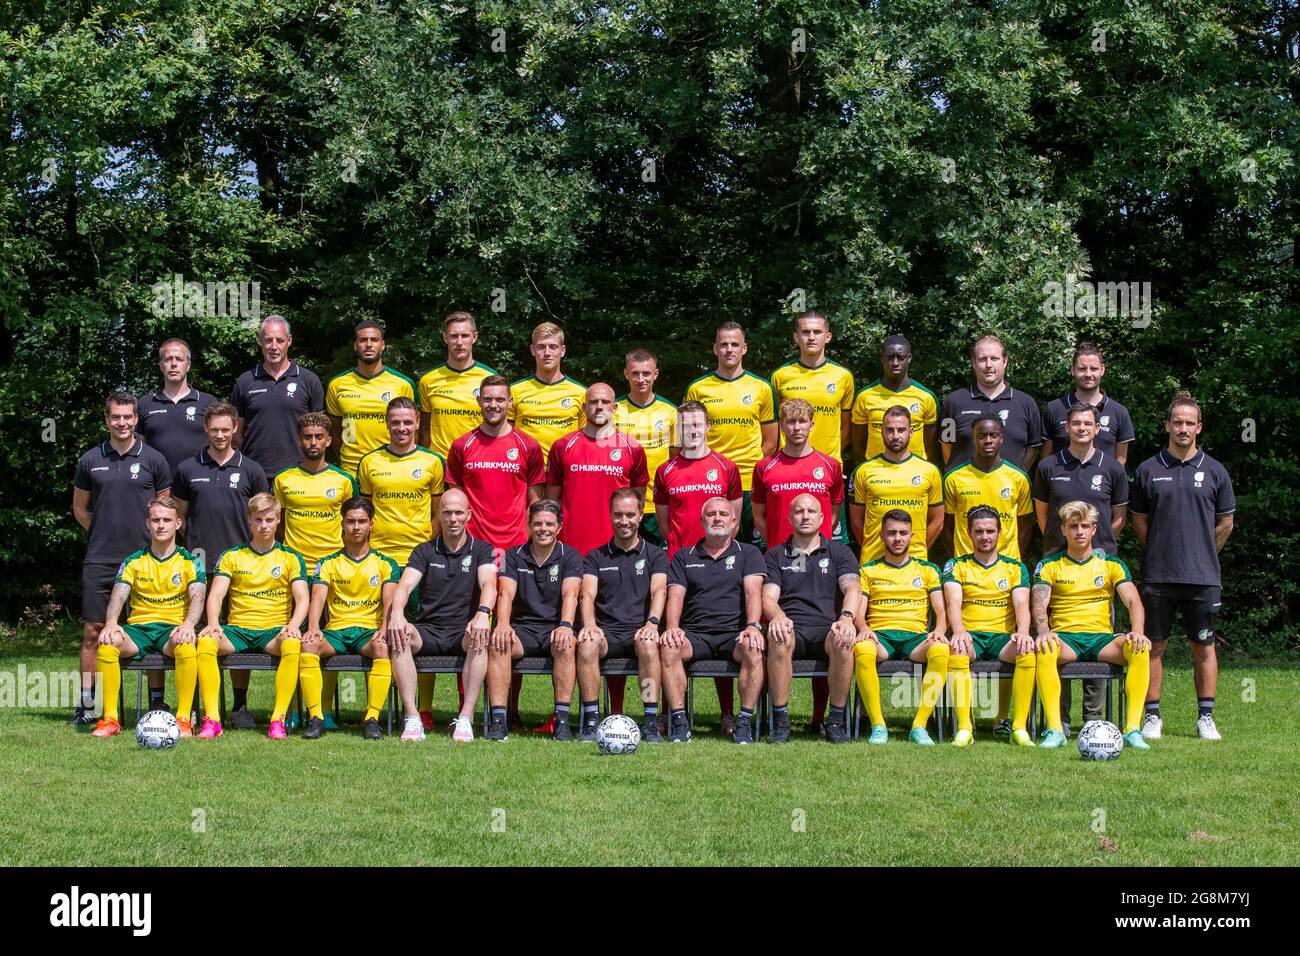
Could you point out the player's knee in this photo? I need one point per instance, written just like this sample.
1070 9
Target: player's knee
864 651
589 652
958 662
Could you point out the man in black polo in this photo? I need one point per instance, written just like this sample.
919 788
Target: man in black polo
1081 472
1114 424
213 488
537 598
624 586
111 490
810 597
1182 507
271 396
456 574
714 611
171 419
1022 422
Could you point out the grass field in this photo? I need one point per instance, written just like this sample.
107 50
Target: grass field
344 801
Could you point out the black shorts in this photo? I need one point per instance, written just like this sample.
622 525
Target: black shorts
711 647
1198 604
96 587
436 643
621 644
809 646
536 641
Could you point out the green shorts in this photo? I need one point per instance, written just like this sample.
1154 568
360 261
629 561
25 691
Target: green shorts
249 640
650 529
900 644
150 638
349 640
840 530
748 533
1087 646
988 645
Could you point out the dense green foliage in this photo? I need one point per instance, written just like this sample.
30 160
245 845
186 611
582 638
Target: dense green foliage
919 166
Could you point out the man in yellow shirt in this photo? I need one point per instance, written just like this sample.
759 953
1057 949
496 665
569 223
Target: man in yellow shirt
896 478
267 584
165 585
742 416
895 387
403 481
987 480
900 592
651 420
1072 596
449 392
987 598
356 586
549 403
357 399
824 384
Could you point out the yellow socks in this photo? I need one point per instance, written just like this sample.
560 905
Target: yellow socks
377 684
425 684
309 676
329 689
209 677
1136 677
1022 690
864 671
936 673
1049 686
286 676
110 676
187 675
959 669
1005 691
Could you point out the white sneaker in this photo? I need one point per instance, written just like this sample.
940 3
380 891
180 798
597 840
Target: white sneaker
464 732
1205 728
414 729
1152 726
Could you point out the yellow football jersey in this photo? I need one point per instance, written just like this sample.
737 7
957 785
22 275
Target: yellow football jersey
898 598
449 401
654 426
545 412
1082 591
360 403
159 586
872 401
1005 489
402 489
356 587
738 409
986 591
312 509
881 485
260 595
828 388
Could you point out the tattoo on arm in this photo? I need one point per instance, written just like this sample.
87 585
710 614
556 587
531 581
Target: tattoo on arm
116 601
197 591
1040 596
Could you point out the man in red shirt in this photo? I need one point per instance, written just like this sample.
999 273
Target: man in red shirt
682 485
586 466
499 468
690 478
501 471
795 468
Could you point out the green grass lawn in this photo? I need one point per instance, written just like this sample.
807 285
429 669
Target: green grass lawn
68 799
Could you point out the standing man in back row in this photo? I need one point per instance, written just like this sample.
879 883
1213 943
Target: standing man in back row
989 393
895 387
357 399
651 420
449 392
548 404
270 398
1114 425
1182 507
171 419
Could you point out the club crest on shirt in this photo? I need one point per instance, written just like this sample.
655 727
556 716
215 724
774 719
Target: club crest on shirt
1099 581
1104 421
331 493
916 481
234 479
1096 481
917 582
474 392
512 454
1003 584
914 408
824 564
660 425
730 562
277 571
1004 494
176 579
830 388
191 411
555 572
566 403
1198 478
747 400
640 566
386 397
135 470
465 563
374 580
615 454
712 474
819 473
291 388
417 474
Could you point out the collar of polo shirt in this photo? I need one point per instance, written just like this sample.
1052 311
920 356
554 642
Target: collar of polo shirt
259 371
1067 455
1169 461
234 461
822 544
1007 392
191 396
134 450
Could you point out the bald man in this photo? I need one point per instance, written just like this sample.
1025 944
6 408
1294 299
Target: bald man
456 578
586 466
810 596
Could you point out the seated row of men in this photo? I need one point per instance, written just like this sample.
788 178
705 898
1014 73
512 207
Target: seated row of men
709 603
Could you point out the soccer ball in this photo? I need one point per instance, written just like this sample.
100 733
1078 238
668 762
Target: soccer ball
618 734
157 730
1100 740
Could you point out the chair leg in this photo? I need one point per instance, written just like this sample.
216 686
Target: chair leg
690 702
139 695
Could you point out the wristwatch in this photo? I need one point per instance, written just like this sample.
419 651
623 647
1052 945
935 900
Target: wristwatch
756 625
848 614
568 624
653 619
484 609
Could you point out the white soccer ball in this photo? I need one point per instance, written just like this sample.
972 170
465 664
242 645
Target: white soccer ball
157 730
1100 740
618 734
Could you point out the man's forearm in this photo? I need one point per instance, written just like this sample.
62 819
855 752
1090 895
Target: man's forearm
116 601
195 609
1040 598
